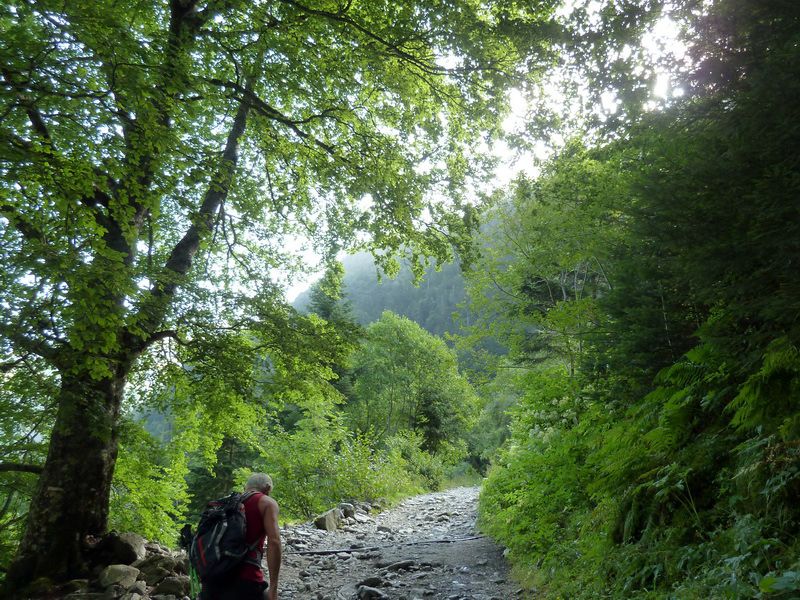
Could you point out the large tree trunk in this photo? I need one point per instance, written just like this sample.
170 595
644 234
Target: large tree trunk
71 500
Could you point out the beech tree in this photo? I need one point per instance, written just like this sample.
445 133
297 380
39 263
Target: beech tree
156 155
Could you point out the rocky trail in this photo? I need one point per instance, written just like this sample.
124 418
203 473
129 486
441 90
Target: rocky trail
425 548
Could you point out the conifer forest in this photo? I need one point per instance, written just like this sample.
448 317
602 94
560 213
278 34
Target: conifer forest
550 248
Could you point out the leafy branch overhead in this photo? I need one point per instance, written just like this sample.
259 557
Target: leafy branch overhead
124 138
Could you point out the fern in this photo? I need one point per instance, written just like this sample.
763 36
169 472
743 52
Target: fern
766 399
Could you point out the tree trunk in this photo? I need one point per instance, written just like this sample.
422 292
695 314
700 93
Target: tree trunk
71 501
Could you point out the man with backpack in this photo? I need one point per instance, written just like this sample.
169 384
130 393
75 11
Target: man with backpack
229 573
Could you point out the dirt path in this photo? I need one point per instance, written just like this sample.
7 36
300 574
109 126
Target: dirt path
400 555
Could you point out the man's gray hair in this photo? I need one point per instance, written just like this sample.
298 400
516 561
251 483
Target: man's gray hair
258 482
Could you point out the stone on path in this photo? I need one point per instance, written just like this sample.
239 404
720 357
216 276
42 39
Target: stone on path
369 593
371 582
348 510
401 565
329 521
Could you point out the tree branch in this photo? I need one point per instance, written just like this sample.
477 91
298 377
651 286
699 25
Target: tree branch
20 468
153 309
166 334
36 119
265 110
9 366
30 346
393 48
180 259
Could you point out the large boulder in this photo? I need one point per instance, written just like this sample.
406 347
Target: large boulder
136 542
119 549
156 567
140 587
156 548
181 563
177 585
329 521
121 575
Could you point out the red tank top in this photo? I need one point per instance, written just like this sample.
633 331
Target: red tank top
255 533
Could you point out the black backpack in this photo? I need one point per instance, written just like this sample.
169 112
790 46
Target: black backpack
219 545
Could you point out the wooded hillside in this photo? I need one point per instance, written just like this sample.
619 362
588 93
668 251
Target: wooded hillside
652 309
433 302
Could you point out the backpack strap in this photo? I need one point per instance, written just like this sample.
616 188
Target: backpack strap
247 495
259 555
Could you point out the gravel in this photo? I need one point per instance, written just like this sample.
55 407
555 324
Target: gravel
426 548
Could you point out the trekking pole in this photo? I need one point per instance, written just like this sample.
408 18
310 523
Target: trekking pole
194 583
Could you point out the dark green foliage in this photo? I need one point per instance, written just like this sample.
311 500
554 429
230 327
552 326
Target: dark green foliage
675 468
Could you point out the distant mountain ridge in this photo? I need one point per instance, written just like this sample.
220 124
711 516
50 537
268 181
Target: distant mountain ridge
431 304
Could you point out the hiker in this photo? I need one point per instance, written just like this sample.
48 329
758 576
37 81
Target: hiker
247 583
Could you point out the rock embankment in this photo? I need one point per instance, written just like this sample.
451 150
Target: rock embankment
127 567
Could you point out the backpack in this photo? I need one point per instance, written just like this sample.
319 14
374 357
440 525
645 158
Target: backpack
219 545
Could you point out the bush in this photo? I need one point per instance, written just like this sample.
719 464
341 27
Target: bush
426 469
316 469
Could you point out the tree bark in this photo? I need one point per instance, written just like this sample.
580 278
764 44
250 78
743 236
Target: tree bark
71 501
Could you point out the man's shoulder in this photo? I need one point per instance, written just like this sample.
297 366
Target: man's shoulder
266 501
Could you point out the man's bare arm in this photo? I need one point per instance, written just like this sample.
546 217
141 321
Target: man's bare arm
269 512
